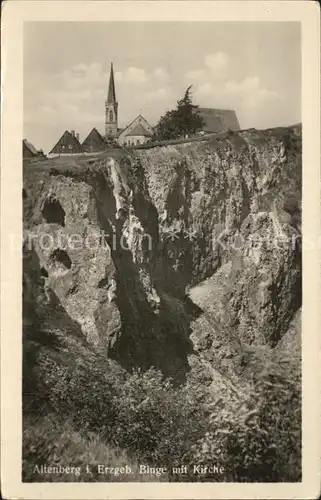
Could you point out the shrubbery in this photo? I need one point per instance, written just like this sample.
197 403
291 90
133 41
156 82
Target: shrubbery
157 421
258 439
142 413
151 419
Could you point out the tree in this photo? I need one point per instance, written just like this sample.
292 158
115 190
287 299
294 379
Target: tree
182 121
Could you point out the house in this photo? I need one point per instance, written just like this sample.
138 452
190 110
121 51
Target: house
68 144
94 142
218 120
139 131
29 151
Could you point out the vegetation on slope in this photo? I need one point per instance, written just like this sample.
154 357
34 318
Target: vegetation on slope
87 414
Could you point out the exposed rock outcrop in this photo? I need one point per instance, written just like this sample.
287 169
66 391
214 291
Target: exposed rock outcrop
123 241
232 206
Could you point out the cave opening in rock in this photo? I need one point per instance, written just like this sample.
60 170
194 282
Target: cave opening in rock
62 258
103 283
53 212
44 272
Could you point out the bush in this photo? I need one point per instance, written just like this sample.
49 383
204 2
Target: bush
87 396
157 421
255 437
143 413
259 439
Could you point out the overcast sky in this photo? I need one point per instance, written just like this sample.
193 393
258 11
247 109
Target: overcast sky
253 68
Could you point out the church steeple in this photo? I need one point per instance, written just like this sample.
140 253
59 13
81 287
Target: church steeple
111 108
111 89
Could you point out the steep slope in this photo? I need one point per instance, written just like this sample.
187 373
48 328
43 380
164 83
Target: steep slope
123 241
230 209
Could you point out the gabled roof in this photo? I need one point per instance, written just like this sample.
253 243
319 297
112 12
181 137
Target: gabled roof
139 129
219 120
67 143
111 98
139 118
30 147
94 138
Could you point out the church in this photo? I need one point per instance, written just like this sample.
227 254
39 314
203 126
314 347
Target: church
139 131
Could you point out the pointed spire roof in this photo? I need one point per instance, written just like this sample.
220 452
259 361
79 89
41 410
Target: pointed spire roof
111 89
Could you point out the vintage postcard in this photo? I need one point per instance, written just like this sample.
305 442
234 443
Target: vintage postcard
160 271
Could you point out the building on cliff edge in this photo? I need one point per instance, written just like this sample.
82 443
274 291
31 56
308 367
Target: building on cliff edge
138 132
94 142
68 144
218 120
29 152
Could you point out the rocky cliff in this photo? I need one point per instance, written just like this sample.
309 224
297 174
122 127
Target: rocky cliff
181 257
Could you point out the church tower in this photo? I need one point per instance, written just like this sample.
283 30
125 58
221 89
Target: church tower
111 108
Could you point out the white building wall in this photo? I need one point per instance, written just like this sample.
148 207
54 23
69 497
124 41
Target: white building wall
133 140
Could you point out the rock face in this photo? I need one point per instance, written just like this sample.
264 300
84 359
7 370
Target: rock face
175 255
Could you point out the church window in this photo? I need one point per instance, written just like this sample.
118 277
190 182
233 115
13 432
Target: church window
111 116
138 141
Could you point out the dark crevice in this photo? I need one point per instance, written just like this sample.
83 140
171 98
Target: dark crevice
103 283
53 212
61 257
44 272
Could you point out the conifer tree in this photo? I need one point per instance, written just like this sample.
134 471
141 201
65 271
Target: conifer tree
179 122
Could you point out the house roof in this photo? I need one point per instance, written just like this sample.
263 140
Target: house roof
94 136
139 129
66 140
130 123
30 146
219 120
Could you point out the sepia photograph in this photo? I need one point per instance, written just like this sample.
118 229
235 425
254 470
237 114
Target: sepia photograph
161 251
162 262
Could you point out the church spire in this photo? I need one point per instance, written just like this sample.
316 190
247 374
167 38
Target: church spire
111 89
111 108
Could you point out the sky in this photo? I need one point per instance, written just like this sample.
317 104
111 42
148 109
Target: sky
251 67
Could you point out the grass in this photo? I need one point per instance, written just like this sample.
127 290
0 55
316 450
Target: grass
49 441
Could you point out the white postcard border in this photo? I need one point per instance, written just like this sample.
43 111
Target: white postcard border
13 15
